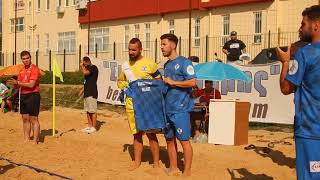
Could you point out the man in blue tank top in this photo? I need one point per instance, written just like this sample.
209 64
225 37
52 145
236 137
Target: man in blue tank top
180 77
303 79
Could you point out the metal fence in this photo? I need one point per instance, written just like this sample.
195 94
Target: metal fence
205 48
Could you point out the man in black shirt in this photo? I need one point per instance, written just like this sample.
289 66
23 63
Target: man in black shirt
90 92
234 48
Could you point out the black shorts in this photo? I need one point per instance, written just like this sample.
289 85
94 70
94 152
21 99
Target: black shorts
30 104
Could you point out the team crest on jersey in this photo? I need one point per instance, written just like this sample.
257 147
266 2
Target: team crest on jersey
144 68
177 66
293 67
190 70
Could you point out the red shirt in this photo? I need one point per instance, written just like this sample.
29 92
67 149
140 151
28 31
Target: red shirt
25 75
206 96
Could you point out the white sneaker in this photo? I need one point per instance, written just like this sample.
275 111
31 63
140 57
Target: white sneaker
85 129
91 130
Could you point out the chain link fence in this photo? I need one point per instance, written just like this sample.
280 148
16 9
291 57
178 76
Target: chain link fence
204 48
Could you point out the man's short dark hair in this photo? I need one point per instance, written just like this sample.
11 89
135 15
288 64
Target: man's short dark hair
24 53
313 12
136 41
170 37
15 77
86 59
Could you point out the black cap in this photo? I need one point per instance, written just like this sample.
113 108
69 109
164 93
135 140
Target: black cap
233 33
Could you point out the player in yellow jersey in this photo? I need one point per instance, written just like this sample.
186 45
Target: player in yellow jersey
138 67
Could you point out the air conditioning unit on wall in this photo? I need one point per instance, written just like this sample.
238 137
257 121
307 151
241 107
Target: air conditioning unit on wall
81 4
60 10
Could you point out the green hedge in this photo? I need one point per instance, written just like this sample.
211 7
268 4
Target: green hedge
68 78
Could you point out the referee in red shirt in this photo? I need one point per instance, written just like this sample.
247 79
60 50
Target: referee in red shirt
28 81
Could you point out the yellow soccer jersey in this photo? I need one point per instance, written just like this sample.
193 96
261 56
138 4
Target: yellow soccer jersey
141 69
144 68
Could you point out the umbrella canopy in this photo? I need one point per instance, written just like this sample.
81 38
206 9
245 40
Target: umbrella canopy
11 70
217 71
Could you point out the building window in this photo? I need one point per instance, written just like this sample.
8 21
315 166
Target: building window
126 36
257 27
99 38
136 30
38 42
39 5
19 24
148 36
29 7
59 3
29 42
48 5
67 41
197 33
74 2
47 43
225 28
67 3
171 26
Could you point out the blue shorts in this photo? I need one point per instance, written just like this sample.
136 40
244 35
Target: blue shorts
307 158
178 125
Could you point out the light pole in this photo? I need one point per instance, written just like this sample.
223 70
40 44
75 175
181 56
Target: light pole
190 13
89 19
15 32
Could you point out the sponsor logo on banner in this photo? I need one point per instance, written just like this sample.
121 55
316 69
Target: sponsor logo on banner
314 166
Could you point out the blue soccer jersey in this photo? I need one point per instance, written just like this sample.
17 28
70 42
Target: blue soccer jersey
148 103
178 99
305 75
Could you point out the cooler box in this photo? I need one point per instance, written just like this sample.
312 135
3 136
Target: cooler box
228 122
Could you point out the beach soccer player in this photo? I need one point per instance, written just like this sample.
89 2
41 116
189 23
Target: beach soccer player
180 77
28 81
302 79
138 67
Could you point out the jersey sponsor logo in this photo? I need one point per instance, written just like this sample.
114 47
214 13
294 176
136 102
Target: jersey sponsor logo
146 89
177 66
314 166
293 67
234 45
190 70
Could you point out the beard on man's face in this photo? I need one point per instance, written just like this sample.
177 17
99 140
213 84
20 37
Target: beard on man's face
134 57
306 36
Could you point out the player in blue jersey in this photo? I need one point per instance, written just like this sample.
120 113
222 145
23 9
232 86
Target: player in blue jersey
180 76
303 79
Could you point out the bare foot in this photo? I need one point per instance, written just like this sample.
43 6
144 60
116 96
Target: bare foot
133 166
187 173
156 165
173 172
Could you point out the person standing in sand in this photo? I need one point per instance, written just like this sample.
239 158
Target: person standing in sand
138 67
302 79
90 92
28 81
180 77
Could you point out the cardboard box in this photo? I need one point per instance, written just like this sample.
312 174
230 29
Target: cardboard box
228 122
